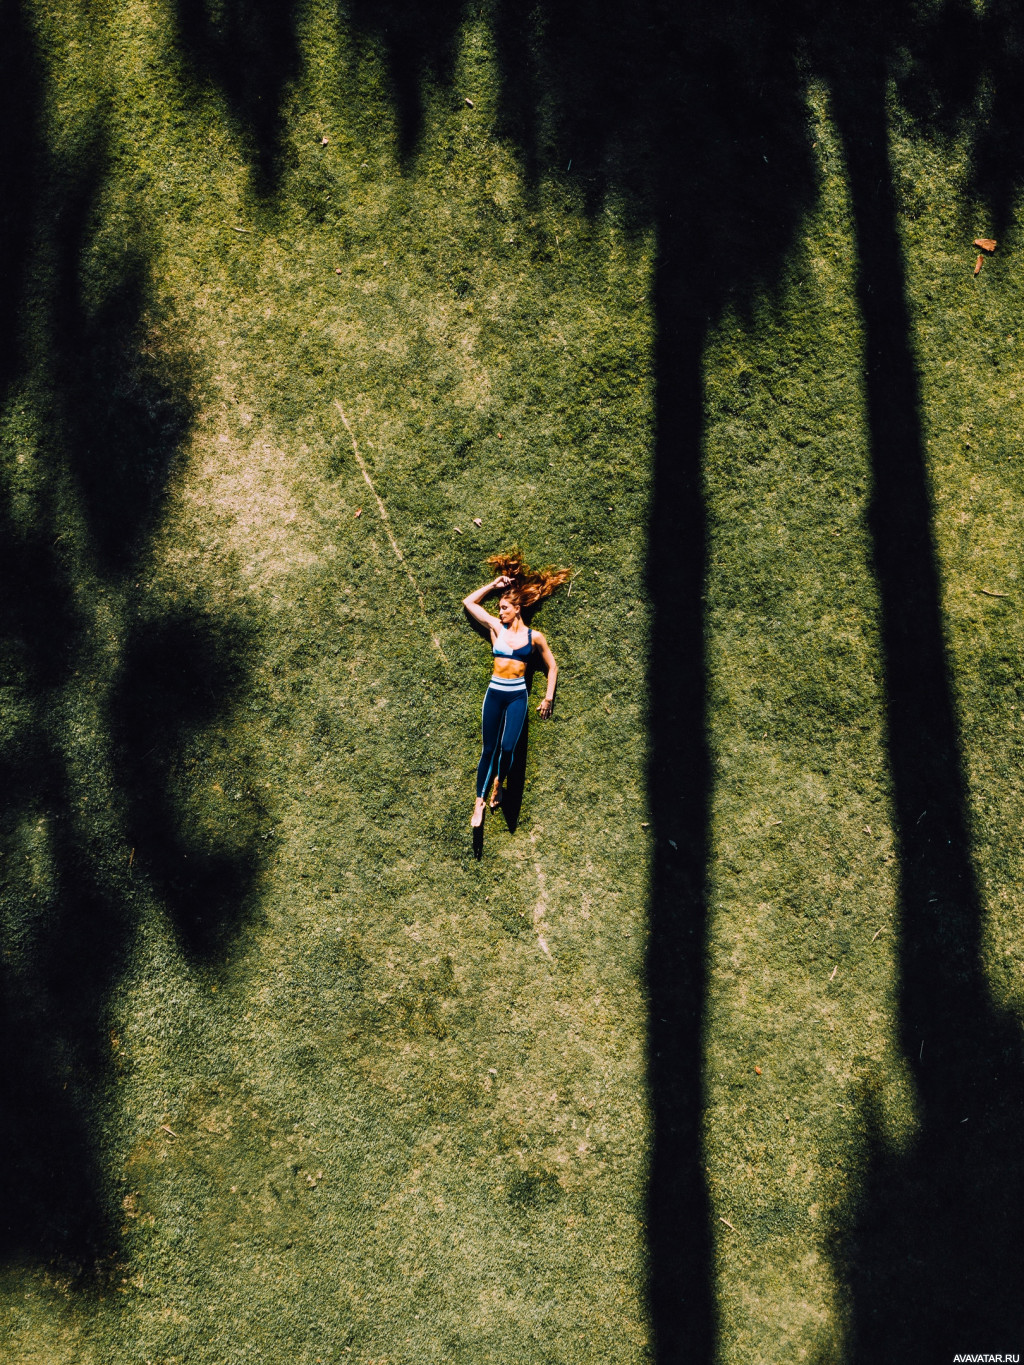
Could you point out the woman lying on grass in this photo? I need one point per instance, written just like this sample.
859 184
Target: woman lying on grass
512 643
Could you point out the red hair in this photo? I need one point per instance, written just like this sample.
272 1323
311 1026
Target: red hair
529 587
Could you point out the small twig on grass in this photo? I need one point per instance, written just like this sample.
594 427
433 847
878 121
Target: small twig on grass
386 520
988 593
248 231
834 970
168 1130
726 1222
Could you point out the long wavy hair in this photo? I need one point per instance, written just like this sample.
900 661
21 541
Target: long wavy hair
529 587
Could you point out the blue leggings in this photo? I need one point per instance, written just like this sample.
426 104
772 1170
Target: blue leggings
503 716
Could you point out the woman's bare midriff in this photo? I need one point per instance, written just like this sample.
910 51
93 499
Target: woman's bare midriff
509 669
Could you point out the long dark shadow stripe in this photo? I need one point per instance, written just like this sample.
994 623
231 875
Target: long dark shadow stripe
928 1254
678 778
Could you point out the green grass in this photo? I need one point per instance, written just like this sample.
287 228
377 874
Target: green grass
338 1090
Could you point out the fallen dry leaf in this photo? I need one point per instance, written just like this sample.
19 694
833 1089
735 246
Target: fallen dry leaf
477 521
977 265
758 1070
324 141
986 243
359 511
469 102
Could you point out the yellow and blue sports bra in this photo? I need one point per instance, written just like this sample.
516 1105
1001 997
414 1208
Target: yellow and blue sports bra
502 648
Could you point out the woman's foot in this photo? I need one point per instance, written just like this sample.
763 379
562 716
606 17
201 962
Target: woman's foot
496 794
478 814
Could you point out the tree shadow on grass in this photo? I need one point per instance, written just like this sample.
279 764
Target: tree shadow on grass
249 50
698 118
61 935
962 70
193 817
115 393
419 44
112 701
998 150
929 1251
695 117
20 109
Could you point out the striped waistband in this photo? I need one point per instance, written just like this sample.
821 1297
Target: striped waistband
508 684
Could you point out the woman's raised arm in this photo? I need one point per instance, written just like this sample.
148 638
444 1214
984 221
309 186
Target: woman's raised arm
476 611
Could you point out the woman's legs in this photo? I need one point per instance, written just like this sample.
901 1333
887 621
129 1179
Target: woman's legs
515 716
491 723
502 718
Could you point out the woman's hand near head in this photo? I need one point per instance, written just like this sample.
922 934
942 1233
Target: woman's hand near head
476 611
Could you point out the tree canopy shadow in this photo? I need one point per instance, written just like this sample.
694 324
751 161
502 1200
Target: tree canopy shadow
419 44
249 50
112 700
957 67
184 673
696 115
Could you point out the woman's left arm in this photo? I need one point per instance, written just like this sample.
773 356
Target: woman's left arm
551 668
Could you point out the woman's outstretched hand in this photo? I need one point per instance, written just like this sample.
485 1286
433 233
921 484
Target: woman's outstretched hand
544 709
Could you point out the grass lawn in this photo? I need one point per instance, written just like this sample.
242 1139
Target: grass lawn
715 1055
